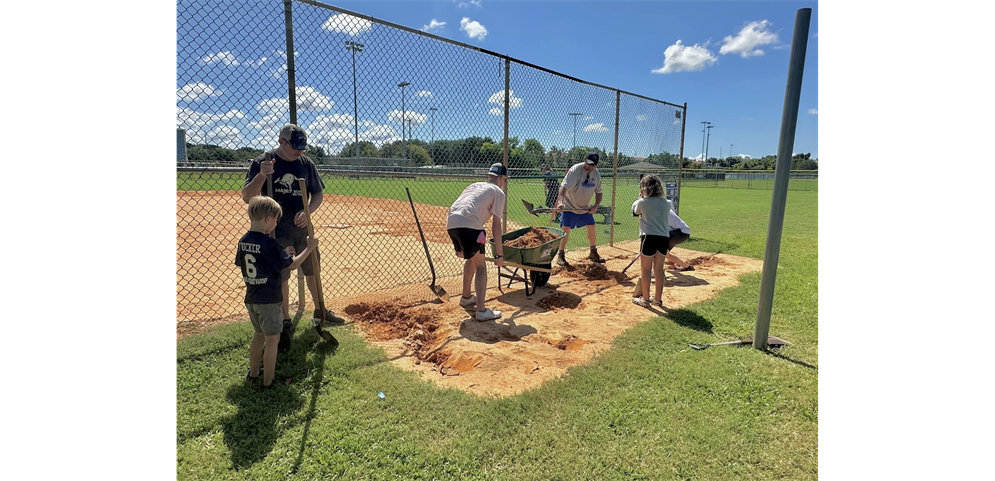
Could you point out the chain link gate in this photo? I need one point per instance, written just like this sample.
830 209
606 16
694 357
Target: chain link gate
385 107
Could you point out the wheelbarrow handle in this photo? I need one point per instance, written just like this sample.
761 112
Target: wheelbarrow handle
520 266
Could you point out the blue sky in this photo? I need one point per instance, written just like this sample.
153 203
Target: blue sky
727 60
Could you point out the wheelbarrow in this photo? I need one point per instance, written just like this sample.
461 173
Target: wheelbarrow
535 263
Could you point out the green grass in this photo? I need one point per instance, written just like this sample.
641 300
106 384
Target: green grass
650 408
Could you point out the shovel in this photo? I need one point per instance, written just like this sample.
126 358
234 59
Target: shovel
327 336
437 290
543 210
771 341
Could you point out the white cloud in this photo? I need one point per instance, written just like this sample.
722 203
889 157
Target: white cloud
225 57
191 119
325 122
472 28
225 136
588 118
496 111
282 69
308 100
433 25
379 135
682 58
423 93
195 92
677 122
813 111
598 127
640 117
497 98
270 123
476 3
744 156
745 43
413 118
347 24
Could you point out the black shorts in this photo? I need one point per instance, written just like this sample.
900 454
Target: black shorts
300 243
651 244
678 237
465 240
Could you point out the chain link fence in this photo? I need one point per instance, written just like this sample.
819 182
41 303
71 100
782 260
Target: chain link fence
387 110
749 179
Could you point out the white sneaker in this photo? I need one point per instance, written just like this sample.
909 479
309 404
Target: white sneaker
467 302
639 301
487 315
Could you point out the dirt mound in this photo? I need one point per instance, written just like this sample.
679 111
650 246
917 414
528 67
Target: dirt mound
385 321
533 238
706 261
593 271
570 343
559 300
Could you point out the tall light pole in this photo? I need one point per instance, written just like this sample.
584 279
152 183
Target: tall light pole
703 125
706 141
404 143
730 150
433 109
355 47
575 127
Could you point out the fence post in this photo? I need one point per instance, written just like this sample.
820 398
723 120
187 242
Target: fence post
680 159
611 235
507 113
288 19
785 143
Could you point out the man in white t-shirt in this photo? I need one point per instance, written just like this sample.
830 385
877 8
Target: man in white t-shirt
479 202
582 182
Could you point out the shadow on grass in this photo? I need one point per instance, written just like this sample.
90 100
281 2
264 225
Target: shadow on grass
774 353
690 319
251 432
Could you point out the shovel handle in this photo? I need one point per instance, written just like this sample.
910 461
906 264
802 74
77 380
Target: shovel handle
520 266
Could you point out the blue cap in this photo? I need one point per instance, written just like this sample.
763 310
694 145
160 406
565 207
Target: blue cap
498 169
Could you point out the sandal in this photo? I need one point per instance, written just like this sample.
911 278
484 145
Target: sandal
685 269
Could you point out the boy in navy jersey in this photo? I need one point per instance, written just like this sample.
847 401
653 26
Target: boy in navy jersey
263 262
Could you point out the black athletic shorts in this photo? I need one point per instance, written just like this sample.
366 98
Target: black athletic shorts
300 243
649 245
465 240
678 237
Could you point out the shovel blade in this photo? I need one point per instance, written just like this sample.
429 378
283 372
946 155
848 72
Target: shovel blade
327 336
440 292
529 207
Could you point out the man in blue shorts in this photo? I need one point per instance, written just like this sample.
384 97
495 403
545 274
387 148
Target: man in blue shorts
582 182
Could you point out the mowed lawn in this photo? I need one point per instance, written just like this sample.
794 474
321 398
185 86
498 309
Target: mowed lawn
650 408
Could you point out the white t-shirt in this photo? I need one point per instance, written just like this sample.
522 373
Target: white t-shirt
475 206
653 214
580 187
677 223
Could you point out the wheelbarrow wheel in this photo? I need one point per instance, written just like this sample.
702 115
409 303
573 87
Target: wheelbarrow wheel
539 279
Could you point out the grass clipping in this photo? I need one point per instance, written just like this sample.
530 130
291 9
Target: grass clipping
535 237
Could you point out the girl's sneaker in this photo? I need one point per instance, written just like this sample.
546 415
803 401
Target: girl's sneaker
639 301
656 302
468 301
487 315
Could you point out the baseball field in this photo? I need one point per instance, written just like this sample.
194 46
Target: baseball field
575 382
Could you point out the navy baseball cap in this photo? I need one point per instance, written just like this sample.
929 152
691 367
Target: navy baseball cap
592 158
295 136
498 169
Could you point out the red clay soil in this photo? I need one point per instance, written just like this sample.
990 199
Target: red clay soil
706 261
385 321
533 238
592 271
559 300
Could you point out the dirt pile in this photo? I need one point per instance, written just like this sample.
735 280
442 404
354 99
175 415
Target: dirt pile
385 321
706 261
593 271
533 238
559 300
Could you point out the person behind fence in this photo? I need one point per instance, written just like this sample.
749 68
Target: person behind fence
549 179
467 216
286 164
654 237
583 181
263 262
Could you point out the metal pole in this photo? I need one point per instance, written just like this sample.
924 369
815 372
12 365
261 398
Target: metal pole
785 143
611 230
355 47
288 19
575 114
709 138
433 109
507 114
703 125
680 160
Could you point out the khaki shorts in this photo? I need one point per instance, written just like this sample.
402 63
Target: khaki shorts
266 318
300 243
